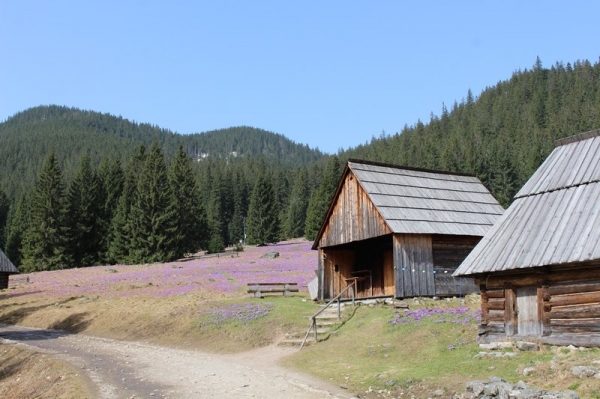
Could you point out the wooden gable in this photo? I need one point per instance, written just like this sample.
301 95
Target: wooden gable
352 217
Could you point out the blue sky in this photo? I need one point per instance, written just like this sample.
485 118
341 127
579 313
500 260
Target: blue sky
330 74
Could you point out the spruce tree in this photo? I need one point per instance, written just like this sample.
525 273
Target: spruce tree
85 203
262 212
119 238
4 209
17 225
240 209
111 178
45 240
296 210
192 225
216 222
154 235
321 198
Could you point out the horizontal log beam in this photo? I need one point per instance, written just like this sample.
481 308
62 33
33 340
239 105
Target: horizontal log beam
573 288
575 276
575 299
492 294
575 312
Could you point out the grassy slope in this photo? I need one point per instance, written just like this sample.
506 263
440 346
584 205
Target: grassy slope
369 354
365 352
26 374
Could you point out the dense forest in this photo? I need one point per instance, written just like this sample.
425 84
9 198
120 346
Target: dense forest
505 133
80 188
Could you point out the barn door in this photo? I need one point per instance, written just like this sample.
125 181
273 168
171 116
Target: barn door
528 322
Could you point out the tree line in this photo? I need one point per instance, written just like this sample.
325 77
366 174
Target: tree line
155 210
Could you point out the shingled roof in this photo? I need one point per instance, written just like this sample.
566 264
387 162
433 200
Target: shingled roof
555 218
415 201
6 266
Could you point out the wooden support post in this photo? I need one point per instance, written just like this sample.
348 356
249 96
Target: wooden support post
510 310
543 299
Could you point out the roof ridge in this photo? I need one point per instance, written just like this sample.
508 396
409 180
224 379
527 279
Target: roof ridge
577 137
389 165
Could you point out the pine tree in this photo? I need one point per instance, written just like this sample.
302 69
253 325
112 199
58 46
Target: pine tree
17 225
262 212
111 178
85 204
154 235
216 241
119 239
192 224
45 241
240 209
4 210
296 211
321 198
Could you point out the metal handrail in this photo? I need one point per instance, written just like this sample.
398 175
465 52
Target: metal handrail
313 325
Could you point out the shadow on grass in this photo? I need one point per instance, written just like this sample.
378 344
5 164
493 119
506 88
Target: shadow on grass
8 295
13 365
17 315
75 323
346 319
22 334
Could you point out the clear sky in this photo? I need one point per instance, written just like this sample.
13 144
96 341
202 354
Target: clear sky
327 73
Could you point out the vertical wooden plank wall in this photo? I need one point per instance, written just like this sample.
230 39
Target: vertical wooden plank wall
414 265
448 253
388 273
335 281
353 218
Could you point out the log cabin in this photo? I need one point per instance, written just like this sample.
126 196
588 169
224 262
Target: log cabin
401 232
538 268
6 269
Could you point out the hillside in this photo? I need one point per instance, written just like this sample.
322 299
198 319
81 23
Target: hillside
503 134
28 136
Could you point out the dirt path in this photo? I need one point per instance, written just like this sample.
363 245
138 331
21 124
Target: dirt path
118 369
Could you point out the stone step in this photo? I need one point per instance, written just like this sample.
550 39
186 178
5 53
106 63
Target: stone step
327 317
327 322
296 342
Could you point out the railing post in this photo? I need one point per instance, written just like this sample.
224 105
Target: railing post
353 290
315 328
339 310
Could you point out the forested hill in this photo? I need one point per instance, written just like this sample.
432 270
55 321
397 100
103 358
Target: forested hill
505 133
28 136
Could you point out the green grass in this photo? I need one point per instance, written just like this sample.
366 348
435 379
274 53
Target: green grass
418 357
285 314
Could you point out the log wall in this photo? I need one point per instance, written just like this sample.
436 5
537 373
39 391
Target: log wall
568 304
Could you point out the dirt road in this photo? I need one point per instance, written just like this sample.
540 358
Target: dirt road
118 369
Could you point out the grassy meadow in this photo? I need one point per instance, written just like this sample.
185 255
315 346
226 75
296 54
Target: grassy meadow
201 303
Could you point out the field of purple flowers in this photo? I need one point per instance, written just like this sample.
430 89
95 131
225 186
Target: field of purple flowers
224 275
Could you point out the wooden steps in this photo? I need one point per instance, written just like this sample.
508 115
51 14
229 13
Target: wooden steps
327 321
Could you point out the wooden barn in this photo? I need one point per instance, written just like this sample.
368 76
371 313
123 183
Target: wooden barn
401 232
538 268
6 269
